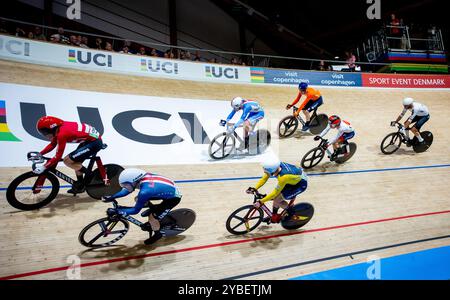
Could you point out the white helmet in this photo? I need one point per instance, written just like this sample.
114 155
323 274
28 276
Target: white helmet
271 165
237 102
408 101
130 177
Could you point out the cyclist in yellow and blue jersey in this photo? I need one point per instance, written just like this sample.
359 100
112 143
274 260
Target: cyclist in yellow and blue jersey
292 181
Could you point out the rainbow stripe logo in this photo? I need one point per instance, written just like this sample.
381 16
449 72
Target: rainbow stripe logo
5 133
257 75
143 65
208 71
72 57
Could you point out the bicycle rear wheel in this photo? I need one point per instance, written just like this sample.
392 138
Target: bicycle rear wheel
103 232
347 156
318 124
287 126
244 219
428 138
22 193
303 214
221 146
312 158
391 143
97 188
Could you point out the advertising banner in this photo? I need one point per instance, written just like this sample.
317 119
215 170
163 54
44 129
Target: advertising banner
139 131
88 59
405 81
274 76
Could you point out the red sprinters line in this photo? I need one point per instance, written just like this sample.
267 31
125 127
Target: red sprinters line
126 258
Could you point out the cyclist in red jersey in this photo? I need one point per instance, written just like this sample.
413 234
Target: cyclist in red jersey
60 133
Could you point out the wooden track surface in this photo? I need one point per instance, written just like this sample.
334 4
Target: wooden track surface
41 240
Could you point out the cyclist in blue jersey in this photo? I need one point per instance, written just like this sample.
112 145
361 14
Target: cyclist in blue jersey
252 113
151 187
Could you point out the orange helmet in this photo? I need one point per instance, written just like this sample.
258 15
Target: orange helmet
48 124
334 121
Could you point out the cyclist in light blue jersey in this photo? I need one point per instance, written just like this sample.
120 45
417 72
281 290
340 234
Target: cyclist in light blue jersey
252 113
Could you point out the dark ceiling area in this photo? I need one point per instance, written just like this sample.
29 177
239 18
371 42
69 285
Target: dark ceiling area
325 29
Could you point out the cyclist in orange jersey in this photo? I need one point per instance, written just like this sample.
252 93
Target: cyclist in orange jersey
312 101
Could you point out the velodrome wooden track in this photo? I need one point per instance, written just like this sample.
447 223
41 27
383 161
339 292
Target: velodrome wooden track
355 211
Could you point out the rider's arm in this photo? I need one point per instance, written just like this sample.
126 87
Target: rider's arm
59 153
401 115
122 193
49 147
338 135
282 181
142 198
262 181
231 115
325 131
296 99
246 110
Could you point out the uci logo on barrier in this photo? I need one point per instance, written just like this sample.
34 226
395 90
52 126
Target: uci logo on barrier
153 65
220 72
121 122
86 58
15 47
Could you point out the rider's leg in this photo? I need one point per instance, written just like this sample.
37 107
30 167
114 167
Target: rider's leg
307 116
416 128
75 159
158 213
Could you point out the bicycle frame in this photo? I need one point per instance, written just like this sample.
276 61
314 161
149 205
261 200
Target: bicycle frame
300 119
41 179
127 217
264 208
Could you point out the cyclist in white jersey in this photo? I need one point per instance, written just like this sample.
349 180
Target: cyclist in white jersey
345 132
419 116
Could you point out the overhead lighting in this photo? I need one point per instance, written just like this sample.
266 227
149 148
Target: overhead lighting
250 11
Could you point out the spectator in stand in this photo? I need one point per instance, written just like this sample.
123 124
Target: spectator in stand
125 50
30 35
3 27
142 51
74 41
154 53
54 38
98 44
62 38
395 32
84 42
20 32
187 55
38 35
351 59
108 46
197 56
169 54
321 66
213 60
234 61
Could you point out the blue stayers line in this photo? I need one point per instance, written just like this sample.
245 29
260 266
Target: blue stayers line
309 174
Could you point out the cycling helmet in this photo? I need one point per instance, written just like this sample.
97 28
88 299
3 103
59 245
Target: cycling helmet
334 121
130 177
271 166
237 103
303 86
48 125
408 101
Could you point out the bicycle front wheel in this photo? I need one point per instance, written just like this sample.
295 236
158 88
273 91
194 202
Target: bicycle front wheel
391 143
221 146
287 126
244 219
103 232
312 158
24 194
